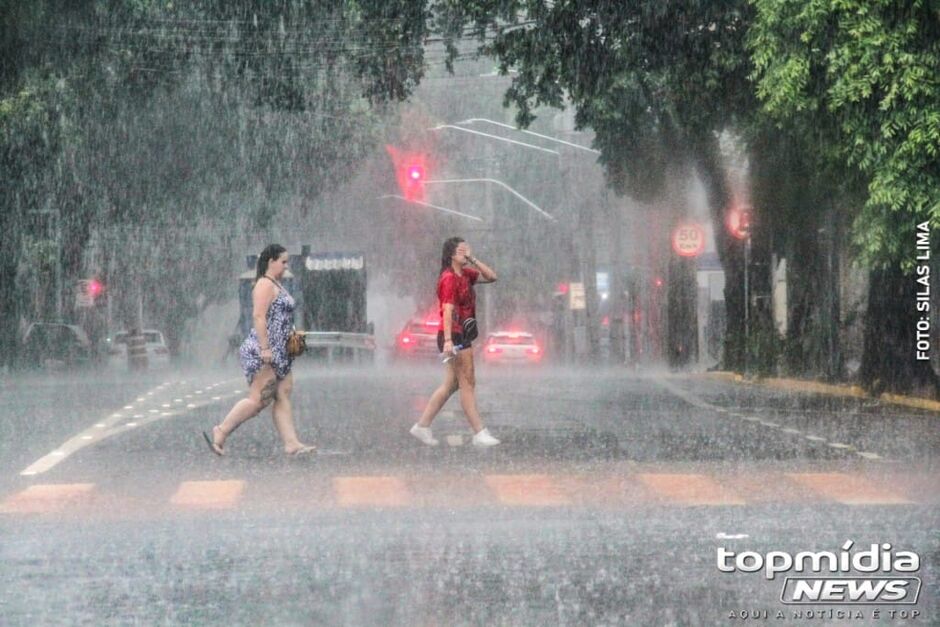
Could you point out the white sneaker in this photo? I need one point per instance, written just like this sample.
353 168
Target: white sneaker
483 439
424 434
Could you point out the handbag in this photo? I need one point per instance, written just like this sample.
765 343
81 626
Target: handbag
296 343
469 330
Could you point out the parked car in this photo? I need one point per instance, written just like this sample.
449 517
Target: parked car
512 347
158 355
55 344
418 339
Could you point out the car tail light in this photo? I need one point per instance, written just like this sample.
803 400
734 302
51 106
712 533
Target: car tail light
406 340
533 350
493 349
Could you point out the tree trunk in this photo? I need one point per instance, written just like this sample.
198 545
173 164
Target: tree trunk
10 296
617 284
681 318
889 363
730 251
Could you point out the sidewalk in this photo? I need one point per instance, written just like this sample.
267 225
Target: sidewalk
816 387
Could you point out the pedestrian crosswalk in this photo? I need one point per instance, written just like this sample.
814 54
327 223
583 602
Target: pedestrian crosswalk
482 490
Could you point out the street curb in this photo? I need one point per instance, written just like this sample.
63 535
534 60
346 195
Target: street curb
817 387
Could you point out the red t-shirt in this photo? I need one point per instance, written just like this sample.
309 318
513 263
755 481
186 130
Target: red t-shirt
458 291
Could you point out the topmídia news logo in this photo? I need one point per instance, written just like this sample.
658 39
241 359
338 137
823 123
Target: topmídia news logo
876 575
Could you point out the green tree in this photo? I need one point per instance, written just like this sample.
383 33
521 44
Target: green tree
161 131
867 75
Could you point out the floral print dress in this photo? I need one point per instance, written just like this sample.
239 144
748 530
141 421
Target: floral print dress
280 323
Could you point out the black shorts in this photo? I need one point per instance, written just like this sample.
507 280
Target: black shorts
458 340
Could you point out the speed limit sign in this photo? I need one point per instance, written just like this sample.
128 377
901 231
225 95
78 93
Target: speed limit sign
688 240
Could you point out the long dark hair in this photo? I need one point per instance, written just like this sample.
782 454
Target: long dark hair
447 254
271 251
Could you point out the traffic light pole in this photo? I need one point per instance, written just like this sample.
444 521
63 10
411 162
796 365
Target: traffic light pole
501 184
747 300
427 204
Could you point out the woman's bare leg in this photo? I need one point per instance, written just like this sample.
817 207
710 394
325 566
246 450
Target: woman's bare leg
282 413
260 394
466 380
440 395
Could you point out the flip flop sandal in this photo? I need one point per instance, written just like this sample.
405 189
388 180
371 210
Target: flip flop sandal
215 448
303 451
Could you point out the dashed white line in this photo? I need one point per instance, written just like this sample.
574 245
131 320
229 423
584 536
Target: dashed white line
94 434
815 438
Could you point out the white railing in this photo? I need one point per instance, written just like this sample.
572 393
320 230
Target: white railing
363 344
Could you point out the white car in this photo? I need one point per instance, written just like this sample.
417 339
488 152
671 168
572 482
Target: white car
511 347
158 355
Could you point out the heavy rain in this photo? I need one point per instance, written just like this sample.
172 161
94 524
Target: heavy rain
465 312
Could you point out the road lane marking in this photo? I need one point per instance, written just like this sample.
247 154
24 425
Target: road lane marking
690 489
848 489
693 400
868 455
78 441
208 494
371 492
43 498
527 490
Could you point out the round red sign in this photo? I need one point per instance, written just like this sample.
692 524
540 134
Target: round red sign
688 240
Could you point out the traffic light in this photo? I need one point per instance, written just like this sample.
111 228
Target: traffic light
738 222
89 292
95 288
410 172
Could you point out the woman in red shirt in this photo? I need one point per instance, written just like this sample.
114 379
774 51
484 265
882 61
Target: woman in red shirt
457 304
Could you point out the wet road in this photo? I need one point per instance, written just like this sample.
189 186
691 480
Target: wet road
606 503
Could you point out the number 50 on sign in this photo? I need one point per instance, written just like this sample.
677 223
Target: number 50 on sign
688 240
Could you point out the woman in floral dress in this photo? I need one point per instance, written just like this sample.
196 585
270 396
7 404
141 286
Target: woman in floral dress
264 357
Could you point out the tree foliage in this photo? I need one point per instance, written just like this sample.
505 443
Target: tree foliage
867 73
164 134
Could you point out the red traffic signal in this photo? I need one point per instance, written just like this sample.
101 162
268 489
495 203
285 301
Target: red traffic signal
95 288
410 172
738 222
415 173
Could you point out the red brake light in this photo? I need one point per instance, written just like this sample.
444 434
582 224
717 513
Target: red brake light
534 350
406 340
493 349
